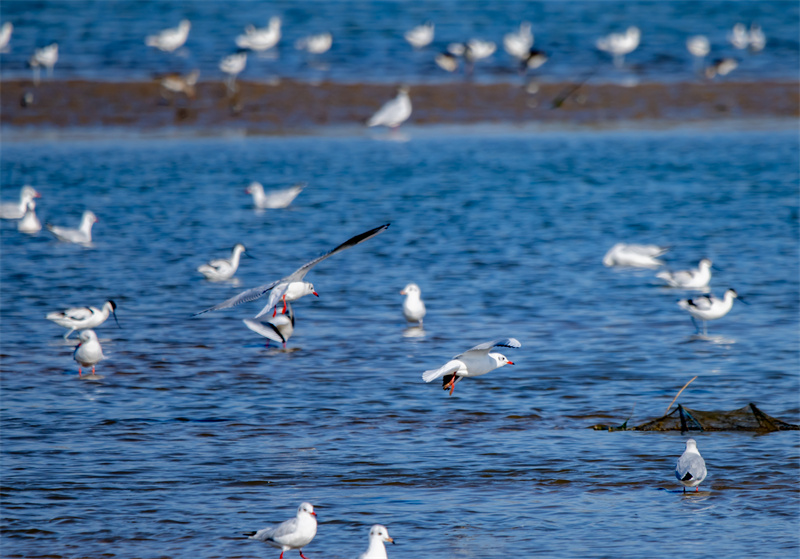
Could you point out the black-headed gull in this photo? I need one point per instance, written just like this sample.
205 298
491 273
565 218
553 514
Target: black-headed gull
172 39
420 36
260 39
29 223
472 363
295 533
689 279
82 318
16 210
708 307
634 256
274 199
691 468
81 235
45 56
394 112
292 287
413 306
89 352
378 535
222 269
620 44
5 35
277 328
315 44
518 44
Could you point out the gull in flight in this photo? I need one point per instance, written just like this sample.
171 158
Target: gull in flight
278 328
635 256
413 307
689 279
16 210
394 112
295 533
620 44
691 468
260 39
420 36
83 318
89 352
222 269
292 287
708 307
275 199
377 536
170 40
472 363
29 223
81 235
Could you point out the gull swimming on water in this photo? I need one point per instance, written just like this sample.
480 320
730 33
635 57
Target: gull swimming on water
170 40
472 363
315 44
393 113
420 36
45 56
16 210
81 235
295 533
689 279
29 223
635 256
413 307
620 44
222 269
274 199
708 307
83 318
261 39
291 287
89 352
378 534
518 44
691 468
277 328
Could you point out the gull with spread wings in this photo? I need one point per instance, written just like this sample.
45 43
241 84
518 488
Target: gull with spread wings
292 287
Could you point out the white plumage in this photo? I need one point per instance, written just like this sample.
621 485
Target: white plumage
636 256
420 36
708 307
295 533
472 363
278 328
89 352
620 44
518 44
691 468
698 46
222 269
393 113
274 199
413 306
16 210
315 44
261 39
82 318
29 223
378 535
170 40
689 279
81 235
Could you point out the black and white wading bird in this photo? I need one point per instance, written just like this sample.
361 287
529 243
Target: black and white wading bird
708 307
83 318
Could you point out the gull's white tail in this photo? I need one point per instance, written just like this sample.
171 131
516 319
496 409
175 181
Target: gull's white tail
433 374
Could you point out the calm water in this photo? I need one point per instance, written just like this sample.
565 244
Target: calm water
198 432
105 40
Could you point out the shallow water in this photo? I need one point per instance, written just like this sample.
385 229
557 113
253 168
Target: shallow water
105 40
197 432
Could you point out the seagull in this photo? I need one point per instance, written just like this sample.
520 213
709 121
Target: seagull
534 59
420 36
756 38
472 50
291 287
472 363
16 210
233 65
447 61
393 113
689 279
45 56
620 44
698 46
721 67
83 318
377 536
708 307
177 83
5 35
89 352
691 468
518 44
29 223
413 307
739 37
278 328
170 40
275 199
295 533
635 256
81 235
315 44
261 39
221 268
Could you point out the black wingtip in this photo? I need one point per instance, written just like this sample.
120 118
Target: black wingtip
248 534
687 477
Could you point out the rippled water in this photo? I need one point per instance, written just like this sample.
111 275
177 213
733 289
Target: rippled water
197 432
105 40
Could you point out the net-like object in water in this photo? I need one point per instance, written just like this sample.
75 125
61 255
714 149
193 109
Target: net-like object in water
748 418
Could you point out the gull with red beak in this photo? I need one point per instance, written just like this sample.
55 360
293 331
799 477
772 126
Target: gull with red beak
472 363
295 533
292 287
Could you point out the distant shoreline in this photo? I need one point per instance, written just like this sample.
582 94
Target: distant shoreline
289 106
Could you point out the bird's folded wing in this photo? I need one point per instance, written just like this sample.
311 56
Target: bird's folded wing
449 367
503 342
284 528
702 303
78 313
243 297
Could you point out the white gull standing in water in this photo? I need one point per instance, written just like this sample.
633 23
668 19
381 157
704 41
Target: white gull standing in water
689 279
420 36
413 306
518 44
393 113
315 44
620 44
698 46
277 328
29 223
295 533
274 199
472 363
291 287
45 56
170 40
708 307
691 468
221 269
260 39
378 535
16 210
81 235
635 256
83 318
233 65
89 352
